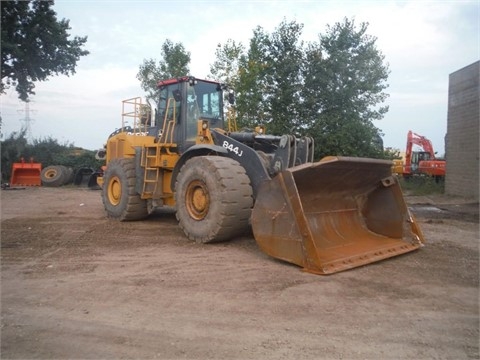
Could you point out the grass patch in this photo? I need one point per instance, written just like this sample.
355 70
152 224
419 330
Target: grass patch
422 185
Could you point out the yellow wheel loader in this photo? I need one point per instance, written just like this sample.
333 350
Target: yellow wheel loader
325 216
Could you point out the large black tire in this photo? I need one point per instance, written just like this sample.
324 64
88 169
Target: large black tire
53 176
119 197
214 199
82 176
69 175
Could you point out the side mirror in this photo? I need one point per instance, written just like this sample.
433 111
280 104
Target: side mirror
231 97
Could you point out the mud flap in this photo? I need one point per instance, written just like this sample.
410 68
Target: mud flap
334 215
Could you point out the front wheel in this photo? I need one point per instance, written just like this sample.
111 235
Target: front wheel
214 199
119 196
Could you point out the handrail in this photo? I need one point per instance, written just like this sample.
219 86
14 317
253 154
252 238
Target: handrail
169 122
141 114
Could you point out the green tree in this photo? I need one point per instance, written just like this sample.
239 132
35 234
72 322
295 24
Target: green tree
174 63
344 78
47 151
267 78
250 92
225 68
332 90
281 83
35 45
13 149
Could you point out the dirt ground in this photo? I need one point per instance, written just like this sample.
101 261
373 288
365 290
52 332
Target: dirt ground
77 285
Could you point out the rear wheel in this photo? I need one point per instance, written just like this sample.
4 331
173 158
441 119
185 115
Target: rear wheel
214 199
119 196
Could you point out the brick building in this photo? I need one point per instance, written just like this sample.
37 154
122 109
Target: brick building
462 140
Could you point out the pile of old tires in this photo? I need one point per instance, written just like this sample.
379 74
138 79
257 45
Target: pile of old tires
56 175
59 175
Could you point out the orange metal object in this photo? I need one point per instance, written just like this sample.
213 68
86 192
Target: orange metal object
422 162
26 174
432 167
334 215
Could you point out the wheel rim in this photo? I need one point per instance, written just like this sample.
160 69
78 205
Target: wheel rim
114 190
197 200
51 173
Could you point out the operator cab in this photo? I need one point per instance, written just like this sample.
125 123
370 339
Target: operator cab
418 156
184 101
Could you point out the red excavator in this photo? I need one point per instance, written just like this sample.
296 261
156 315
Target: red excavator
422 162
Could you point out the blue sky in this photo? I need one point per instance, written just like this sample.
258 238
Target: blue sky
423 42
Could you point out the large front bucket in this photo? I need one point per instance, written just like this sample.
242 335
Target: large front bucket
26 174
334 215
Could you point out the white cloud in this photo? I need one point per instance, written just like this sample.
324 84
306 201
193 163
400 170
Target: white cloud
83 109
